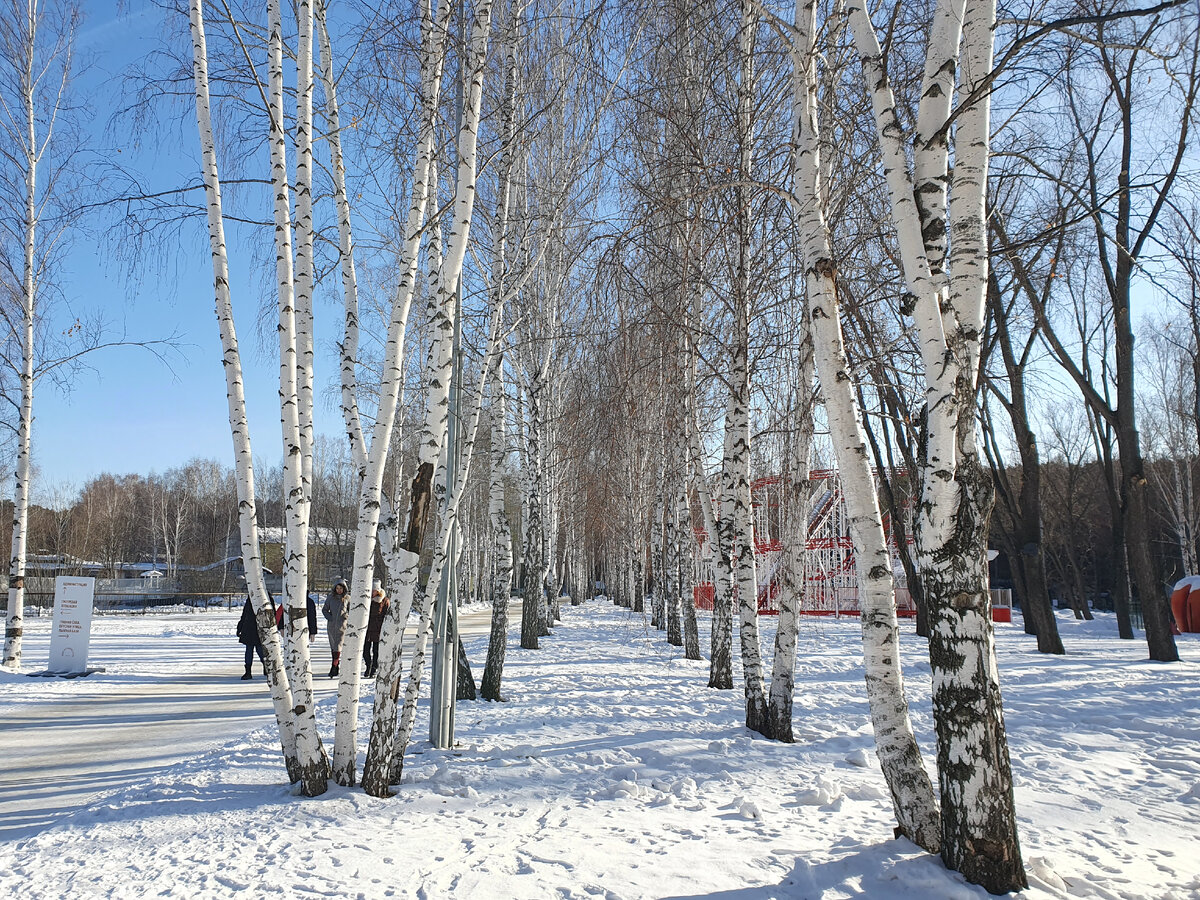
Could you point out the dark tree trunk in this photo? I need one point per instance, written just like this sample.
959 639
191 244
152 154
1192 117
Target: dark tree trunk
465 688
979 833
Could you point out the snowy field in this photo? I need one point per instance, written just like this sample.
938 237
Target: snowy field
613 771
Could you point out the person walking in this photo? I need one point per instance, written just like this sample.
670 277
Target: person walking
312 619
247 633
379 609
335 609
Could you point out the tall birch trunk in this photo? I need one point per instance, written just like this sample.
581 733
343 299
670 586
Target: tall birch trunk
370 497
900 757
281 695
310 752
349 348
386 746
737 417
14 624
978 828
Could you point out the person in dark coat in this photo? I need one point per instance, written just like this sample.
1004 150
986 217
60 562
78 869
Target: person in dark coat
247 633
312 618
336 606
379 609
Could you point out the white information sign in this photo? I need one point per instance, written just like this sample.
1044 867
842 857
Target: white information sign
71 631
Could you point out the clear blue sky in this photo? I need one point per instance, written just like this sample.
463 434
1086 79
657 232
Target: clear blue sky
135 413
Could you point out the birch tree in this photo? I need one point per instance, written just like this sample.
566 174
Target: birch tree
311 773
36 65
978 819
899 756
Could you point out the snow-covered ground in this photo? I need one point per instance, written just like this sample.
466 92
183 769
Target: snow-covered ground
613 771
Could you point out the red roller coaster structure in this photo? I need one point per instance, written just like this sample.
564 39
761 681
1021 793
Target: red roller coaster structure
829 577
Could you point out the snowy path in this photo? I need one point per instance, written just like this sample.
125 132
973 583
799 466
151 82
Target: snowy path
614 772
66 741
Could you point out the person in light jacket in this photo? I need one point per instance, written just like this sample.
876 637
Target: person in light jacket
335 609
379 609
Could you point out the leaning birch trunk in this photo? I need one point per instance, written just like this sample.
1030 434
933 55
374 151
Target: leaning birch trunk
978 828
900 757
379 761
281 696
349 348
314 765
345 739
380 749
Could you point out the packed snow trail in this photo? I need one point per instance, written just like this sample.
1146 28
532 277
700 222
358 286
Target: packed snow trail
64 741
614 772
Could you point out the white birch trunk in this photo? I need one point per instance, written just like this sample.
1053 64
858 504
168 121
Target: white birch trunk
311 754
691 629
533 589
239 425
378 759
349 348
370 499
381 751
737 423
899 755
501 589
14 624
978 827
671 561
493 670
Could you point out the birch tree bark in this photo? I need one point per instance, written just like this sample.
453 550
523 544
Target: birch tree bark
37 54
493 670
386 747
978 827
899 756
281 695
311 754
433 39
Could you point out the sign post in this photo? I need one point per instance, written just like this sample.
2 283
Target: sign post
71 630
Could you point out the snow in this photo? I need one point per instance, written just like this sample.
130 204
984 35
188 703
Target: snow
613 771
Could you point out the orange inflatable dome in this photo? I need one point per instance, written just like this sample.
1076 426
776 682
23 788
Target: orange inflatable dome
1185 604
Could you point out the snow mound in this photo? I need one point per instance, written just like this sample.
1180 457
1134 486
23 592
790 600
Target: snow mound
825 792
859 758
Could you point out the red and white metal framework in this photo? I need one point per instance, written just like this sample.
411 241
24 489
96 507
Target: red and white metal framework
830 578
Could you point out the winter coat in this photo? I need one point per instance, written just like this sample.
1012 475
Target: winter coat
335 609
312 617
247 626
379 609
